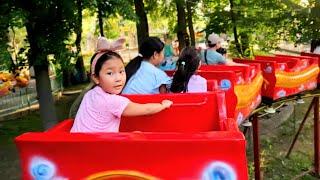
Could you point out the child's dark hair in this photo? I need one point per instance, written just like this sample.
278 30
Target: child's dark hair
146 50
222 51
187 64
102 59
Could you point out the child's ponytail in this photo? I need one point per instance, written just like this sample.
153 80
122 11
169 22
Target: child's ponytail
133 66
187 64
180 77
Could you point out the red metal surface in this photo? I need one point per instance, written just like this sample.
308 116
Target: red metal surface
234 75
271 65
238 75
312 55
205 144
197 106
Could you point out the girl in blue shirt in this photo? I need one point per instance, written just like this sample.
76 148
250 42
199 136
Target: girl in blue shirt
143 77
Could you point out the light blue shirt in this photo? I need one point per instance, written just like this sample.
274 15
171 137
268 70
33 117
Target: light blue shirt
146 80
213 57
168 64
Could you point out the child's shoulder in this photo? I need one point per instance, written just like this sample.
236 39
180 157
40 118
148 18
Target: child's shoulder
198 78
151 68
97 95
99 98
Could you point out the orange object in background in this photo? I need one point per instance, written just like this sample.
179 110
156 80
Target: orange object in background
4 77
5 88
8 81
22 81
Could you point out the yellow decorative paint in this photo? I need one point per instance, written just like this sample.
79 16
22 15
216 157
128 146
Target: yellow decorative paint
247 93
121 174
295 79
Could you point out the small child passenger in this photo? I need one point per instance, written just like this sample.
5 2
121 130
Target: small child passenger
143 76
101 107
222 51
185 78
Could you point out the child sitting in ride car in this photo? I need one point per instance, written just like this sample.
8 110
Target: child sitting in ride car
143 76
185 78
101 107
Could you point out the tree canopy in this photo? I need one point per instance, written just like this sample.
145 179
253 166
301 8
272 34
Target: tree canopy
32 31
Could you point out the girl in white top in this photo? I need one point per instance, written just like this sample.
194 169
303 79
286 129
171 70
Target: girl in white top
185 78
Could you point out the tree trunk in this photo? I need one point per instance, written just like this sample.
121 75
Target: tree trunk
43 86
233 19
81 76
182 34
190 23
66 78
47 108
100 18
142 23
79 64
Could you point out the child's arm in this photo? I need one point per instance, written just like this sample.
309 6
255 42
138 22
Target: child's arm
136 109
163 89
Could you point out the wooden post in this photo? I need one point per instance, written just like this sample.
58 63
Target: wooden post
256 147
316 137
300 128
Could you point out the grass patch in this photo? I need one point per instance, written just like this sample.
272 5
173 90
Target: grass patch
9 160
274 148
13 128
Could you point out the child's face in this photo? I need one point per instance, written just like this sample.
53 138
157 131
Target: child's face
158 58
112 76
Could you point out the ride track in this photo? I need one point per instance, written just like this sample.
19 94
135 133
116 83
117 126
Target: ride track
266 103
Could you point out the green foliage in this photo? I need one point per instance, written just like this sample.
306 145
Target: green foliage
49 24
9 18
263 24
112 7
305 20
277 166
162 15
109 10
112 27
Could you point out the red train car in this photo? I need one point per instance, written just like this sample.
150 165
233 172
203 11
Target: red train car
306 54
193 139
285 76
242 85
